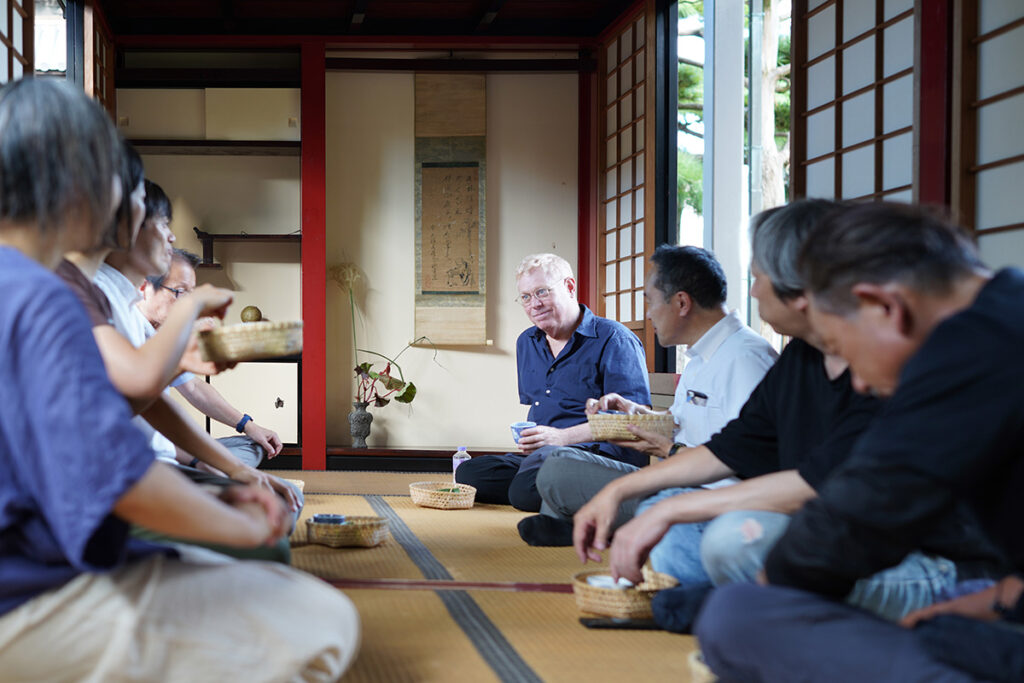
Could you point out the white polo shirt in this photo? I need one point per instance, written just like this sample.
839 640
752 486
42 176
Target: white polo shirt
129 321
724 366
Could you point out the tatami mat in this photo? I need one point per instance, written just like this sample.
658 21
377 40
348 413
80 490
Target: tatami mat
482 544
408 636
361 483
544 629
454 601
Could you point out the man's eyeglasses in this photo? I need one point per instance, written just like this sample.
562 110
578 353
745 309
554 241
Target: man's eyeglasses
540 294
172 290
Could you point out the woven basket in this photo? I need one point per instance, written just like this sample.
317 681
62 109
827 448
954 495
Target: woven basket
251 341
356 531
442 495
621 603
612 427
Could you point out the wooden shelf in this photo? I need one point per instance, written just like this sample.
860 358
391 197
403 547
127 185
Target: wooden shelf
271 148
209 239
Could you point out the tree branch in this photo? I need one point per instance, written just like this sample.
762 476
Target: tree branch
778 72
681 126
690 106
684 60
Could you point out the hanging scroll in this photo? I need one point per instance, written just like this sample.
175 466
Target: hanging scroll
450 209
450 228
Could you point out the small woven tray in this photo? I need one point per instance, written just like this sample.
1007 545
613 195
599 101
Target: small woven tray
612 427
442 495
365 532
251 341
621 603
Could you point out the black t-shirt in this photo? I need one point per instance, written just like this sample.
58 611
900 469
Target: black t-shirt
796 418
96 304
953 431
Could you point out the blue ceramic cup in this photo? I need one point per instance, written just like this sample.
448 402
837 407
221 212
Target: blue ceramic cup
518 427
324 518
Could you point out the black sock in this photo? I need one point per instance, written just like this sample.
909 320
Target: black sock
542 530
675 609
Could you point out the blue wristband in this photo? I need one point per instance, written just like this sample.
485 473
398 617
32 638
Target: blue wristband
240 427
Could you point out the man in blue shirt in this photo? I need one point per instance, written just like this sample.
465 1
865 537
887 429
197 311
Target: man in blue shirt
685 294
80 599
567 357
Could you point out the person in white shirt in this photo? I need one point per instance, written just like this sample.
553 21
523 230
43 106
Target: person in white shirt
120 278
158 295
685 294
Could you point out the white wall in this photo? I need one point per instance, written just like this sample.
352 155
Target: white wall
469 396
231 194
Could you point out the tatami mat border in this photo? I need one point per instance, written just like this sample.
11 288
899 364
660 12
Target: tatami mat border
499 654
427 584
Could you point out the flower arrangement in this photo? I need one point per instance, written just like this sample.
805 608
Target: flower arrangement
377 386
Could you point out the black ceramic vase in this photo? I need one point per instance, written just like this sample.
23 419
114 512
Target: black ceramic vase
359 424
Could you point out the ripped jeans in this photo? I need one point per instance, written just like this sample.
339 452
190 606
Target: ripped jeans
732 549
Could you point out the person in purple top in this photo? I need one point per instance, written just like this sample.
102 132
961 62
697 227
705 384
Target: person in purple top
567 357
81 599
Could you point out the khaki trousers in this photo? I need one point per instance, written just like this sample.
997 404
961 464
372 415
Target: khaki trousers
204 617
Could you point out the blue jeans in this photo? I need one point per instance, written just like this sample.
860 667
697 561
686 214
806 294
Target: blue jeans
735 545
732 549
678 552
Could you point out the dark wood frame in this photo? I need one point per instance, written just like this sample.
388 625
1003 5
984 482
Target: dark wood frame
966 104
800 111
26 56
638 322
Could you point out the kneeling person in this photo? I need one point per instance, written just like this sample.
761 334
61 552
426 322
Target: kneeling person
568 356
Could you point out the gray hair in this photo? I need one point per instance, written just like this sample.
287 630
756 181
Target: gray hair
553 265
776 237
885 242
59 153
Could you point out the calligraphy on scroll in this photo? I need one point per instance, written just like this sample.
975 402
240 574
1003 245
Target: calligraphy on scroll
450 228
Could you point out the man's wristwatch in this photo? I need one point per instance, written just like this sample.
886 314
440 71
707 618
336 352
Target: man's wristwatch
675 447
240 427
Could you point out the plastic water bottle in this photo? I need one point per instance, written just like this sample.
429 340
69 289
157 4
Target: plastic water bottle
460 457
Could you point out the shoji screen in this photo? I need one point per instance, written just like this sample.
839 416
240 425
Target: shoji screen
99 58
625 232
853 125
990 106
15 39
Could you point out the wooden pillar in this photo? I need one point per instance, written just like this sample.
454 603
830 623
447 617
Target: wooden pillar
934 59
314 258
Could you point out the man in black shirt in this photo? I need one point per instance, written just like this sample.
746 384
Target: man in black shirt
903 297
798 423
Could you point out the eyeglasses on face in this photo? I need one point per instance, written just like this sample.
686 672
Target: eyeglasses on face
540 294
172 290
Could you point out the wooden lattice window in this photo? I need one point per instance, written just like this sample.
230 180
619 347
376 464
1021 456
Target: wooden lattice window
989 156
854 105
625 234
15 39
99 58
